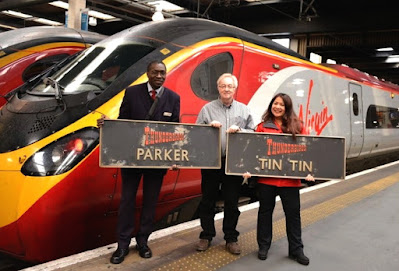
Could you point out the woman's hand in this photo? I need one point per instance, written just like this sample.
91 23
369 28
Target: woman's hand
246 176
309 178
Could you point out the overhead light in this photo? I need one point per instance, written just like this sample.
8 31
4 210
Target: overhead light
283 41
100 15
158 16
30 17
386 49
392 59
7 26
92 13
165 5
16 14
331 61
46 21
92 21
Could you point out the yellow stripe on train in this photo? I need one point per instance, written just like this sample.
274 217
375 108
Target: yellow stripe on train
28 51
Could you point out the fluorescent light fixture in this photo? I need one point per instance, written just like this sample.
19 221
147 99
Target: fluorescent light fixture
16 14
315 58
284 42
46 21
100 15
386 49
165 5
331 61
92 13
392 59
7 26
60 4
30 17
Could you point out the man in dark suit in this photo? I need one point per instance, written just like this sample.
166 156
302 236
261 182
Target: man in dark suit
137 105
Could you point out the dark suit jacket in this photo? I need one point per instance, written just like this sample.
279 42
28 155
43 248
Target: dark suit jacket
137 102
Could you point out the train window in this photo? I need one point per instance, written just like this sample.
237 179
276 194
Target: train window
382 117
203 80
41 65
355 104
96 68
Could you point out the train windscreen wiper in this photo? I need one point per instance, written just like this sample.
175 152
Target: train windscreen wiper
56 86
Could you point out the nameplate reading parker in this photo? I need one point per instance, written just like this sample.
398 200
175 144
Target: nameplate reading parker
151 144
279 155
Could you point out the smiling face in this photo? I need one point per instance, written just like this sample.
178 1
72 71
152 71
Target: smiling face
156 75
278 108
226 88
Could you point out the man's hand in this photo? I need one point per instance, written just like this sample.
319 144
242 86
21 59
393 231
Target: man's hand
174 167
216 124
233 129
100 121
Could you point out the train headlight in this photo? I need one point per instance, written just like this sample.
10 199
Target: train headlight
62 154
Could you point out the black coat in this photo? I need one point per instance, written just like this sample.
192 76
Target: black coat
137 103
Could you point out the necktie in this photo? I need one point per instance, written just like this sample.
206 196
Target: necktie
153 94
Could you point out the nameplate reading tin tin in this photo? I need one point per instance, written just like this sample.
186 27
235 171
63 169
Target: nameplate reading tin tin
279 155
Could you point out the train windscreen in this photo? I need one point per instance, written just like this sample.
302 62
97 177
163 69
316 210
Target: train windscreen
94 70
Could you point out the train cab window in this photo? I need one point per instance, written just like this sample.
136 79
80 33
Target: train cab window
95 69
382 117
203 80
355 104
41 65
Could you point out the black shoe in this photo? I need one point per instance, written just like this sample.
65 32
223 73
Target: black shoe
262 254
119 255
144 251
299 257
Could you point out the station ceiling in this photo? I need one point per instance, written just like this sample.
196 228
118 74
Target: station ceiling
347 31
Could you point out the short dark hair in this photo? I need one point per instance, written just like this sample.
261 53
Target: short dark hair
154 62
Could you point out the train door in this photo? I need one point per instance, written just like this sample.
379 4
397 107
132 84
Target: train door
356 120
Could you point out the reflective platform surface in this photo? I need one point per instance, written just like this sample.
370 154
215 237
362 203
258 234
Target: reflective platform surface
348 225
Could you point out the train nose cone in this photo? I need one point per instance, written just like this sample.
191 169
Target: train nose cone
10 240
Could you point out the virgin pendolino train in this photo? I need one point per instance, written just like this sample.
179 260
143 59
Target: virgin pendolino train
57 201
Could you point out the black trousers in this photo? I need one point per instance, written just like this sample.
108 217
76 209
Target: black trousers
291 205
152 182
212 180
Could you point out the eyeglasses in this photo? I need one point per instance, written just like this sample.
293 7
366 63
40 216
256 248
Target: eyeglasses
226 86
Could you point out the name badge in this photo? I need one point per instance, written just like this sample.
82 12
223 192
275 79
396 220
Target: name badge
167 114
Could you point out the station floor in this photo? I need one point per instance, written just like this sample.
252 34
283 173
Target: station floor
347 225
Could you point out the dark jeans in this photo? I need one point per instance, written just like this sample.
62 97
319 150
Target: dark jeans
212 179
152 182
291 205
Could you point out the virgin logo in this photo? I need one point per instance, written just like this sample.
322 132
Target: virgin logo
314 121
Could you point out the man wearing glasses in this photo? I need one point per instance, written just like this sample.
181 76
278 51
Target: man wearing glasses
231 116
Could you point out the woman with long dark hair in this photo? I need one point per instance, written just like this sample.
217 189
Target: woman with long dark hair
280 118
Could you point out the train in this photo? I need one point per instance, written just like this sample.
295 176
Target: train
57 201
27 52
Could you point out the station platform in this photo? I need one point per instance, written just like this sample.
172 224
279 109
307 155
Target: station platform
347 225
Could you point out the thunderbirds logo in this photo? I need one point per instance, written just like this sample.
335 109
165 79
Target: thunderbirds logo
277 148
316 121
155 137
162 153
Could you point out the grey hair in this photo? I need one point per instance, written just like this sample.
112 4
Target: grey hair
235 81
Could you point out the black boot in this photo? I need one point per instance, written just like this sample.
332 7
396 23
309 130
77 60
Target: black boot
119 255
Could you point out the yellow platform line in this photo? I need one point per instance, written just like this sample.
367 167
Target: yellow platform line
216 256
